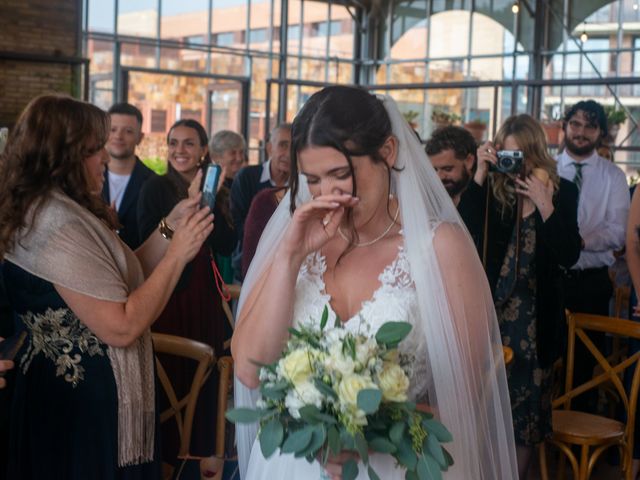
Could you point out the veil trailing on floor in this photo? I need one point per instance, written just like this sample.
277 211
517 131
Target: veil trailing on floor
468 388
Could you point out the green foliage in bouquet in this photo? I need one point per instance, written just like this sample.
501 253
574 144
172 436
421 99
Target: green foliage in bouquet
333 390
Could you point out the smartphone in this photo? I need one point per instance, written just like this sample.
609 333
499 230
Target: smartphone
10 346
210 186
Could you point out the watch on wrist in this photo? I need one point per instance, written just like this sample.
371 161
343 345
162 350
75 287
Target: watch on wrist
165 230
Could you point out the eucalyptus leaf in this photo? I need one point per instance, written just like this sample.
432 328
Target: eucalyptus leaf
337 323
362 447
271 436
271 393
325 317
396 431
411 475
369 400
405 454
334 440
347 440
244 415
318 437
382 445
349 470
372 473
297 441
435 450
428 469
438 429
392 333
311 414
447 456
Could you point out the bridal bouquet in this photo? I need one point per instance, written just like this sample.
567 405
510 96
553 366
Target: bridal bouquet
335 390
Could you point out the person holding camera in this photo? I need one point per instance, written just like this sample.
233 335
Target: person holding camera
523 217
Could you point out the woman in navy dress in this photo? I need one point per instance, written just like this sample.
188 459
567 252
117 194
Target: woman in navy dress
84 403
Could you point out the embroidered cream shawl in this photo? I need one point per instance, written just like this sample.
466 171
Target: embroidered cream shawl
67 245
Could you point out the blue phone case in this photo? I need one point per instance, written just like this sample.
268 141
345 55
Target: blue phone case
210 186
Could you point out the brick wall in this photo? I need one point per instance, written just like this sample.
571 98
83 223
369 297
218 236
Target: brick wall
38 28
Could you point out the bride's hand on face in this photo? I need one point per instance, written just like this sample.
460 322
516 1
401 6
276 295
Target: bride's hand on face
315 223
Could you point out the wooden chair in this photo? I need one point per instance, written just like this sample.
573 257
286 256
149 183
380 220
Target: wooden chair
183 409
593 434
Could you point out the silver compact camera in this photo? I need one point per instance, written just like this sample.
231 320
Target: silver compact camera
509 161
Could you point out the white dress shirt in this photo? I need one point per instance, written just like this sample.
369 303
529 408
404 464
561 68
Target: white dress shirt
603 208
117 186
266 174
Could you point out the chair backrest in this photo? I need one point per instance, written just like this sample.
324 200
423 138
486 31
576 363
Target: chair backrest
225 383
622 298
200 353
612 370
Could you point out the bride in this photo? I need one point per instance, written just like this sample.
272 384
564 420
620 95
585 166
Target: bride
369 230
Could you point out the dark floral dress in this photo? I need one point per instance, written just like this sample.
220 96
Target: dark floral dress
515 299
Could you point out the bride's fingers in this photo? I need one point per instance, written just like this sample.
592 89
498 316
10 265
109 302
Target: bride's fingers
345 199
332 221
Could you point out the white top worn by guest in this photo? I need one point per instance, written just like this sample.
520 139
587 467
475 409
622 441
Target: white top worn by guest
603 207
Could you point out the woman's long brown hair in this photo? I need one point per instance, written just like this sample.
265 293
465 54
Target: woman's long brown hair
46 151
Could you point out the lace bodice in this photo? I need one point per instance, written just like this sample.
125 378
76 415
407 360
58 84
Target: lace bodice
394 300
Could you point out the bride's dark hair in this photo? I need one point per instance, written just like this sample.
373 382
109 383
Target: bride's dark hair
348 119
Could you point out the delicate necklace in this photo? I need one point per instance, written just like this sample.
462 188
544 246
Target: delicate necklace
379 237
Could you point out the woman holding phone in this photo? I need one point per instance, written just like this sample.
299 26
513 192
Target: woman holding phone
195 309
84 398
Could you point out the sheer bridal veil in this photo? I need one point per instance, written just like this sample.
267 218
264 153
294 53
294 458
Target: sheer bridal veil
468 389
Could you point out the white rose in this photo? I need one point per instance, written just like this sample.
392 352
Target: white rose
393 383
303 394
296 366
337 362
350 386
365 351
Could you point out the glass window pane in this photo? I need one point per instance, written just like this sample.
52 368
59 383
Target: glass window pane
259 34
409 30
138 17
183 59
445 5
489 36
342 31
101 15
449 35
229 23
185 20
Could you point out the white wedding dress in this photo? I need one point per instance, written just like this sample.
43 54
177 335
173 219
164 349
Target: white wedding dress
455 341
394 300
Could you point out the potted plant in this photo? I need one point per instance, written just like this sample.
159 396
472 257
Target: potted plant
410 116
615 118
476 127
443 118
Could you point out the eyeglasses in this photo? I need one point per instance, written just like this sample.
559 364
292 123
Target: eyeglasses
588 127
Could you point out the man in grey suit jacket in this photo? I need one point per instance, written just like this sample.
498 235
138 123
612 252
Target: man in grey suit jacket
125 173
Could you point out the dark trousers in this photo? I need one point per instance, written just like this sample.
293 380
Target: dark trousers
587 291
